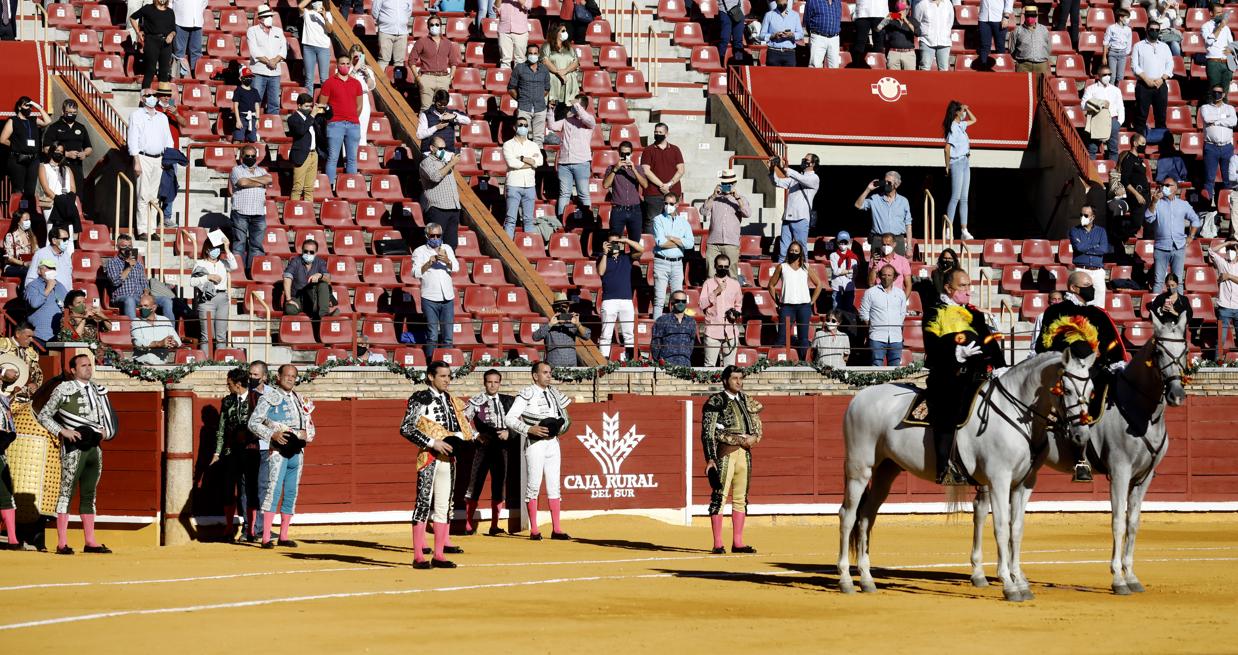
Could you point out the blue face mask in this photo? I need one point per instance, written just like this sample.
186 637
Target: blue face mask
522 130
307 257
726 188
435 242
213 253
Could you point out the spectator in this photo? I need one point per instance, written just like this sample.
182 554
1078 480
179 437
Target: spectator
1090 243
434 61
1053 298
74 136
994 19
154 336
365 77
843 262
211 279
45 295
57 192
342 93
560 333
307 285
780 31
392 17
187 44
900 38
1171 303
795 302
1166 13
528 86
19 245
560 59
831 347
1153 65
662 164
866 16
169 186
801 188
1169 160
1218 39
823 19
81 322
887 255
1117 44
672 238
1218 120
154 25
1102 100
127 281
434 263
725 210
58 251
267 52
947 261
246 108
1068 10
347 6
303 128
959 117
890 211
485 9
249 183
440 196
674 334
1029 44
1174 224
21 136
575 158
149 136
1225 259
721 305
523 158
513 30
884 308
438 120
936 19
625 181
731 20
615 266
1133 174
316 23
583 13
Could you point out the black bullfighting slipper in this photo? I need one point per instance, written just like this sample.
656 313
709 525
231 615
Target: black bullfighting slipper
453 550
66 550
442 564
560 536
101 549
424 564
743 549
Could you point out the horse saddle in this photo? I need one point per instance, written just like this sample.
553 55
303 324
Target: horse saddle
918 413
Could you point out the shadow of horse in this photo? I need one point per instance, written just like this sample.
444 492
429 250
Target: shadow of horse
825 578
637 545
344 559
357 543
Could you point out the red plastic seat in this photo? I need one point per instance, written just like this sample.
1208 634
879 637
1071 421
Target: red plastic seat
614 111
86 265
566 246
379 271
61 16
1037 252
230 355
410 357
1137 333
496 80
1034 304
380 331
531 245
84 42
119 336
343 270
1201 279
688 35
1202 307
108 68
366 300
492 161
451 356
1070 66
468 80
481 301
267 268
783 355
717 85
351 186
386 188
380 133
597 84
553 272
966 15
705 59
998 252
97 238
1120 307
337 331
598 32
296 330
498 332
466 244
613 58
370 213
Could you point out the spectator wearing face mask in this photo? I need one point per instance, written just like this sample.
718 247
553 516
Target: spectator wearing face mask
57 192
884 308
434 61
154 25
303 128
795 303
1090 243
268 49
45 295
721 304
513 31
127 281
343 94
154 336
440 196
725 209
890 211
1133 173
843 263
959 117
781 29
947 261
58 250
993 20
434 263
560 333
801 186
1168 13
900 38
575 156
1172 303
663 165
1153 64
560 59
246 108
1054 298
830 346
523 157
1102 101
211 280
1218 39
20 135
316 24
672 240
1218 120
886 255
19 245
1029 43
1174 224
625 182
1117 43
615 266
307 285
674 334
1225 259
529 85
74 136
439 120
148 137
249 183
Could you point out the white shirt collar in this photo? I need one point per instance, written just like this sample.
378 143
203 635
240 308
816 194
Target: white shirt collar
1074 298
948 300
730 396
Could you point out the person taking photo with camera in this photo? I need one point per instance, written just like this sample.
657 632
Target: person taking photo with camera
127 277
615 268
560 333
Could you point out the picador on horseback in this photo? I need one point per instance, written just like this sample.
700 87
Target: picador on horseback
1112 354
961 352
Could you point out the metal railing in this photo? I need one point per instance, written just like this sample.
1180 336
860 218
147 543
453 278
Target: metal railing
256 297
1056 113
760 124
930 249
79 81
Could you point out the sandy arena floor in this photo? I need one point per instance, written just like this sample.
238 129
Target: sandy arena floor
631 583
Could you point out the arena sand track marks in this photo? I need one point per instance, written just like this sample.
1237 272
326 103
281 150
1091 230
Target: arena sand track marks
634 585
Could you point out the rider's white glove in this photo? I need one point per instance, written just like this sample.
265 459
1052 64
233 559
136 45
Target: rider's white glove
1117 367
966 351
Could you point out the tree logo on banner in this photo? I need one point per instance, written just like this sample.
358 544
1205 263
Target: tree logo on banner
611 449
889 89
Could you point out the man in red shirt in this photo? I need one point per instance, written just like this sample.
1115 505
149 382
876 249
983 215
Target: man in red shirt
662 164
342 94
433 60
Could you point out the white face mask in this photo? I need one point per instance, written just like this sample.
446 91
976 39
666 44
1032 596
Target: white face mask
49 275
436 30
669 209
151 101
25 224
1085 220
887 249
1168 192
1106 79
268 21
1231 255
532 59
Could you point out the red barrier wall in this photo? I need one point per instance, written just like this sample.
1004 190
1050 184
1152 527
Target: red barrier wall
892 108
26 79
132 483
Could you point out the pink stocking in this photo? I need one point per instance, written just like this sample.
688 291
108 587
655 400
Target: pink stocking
266 526
554 515
253 520
737 527
470 508
715 523
532 507
419 542
10 523
88 529
440 539
285 520
495 510
62 530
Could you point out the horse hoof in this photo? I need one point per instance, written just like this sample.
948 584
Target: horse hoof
1135 587
1026 594
979 581
1013 595
868 587
1121 590
846 587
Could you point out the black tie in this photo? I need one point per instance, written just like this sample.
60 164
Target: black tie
553 405
497 420
450 415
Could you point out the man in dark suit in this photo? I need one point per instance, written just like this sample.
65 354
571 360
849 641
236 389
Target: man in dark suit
487 410
303 128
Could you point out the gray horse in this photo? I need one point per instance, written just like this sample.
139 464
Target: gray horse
1010 415
1130 440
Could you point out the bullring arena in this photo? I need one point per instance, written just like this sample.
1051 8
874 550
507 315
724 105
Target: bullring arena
638 573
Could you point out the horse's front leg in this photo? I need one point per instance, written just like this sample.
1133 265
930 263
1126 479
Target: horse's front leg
980 511
1132 529
999 499
1119 490
1019 498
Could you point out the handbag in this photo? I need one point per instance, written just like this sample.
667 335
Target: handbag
737 12
581 14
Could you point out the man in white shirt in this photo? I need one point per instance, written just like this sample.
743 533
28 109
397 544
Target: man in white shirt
1103 94
392 17
1153 65
1218 120
267 52
935 18
58 250
187 44
153 335
539 415
523 157
868 13
884 308
994 17
433 264
149 135
1218 39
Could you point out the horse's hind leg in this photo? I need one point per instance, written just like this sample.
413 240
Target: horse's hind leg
999 499
883 478
1018 506
980 511
857 474
1132 529
1119 489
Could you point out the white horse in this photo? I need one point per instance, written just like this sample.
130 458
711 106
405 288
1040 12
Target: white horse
1010 416
1131 441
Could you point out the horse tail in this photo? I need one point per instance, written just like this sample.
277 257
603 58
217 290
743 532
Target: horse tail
853 539
957 501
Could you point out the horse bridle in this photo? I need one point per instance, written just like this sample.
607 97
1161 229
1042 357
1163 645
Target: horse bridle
1178 360
1062 420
